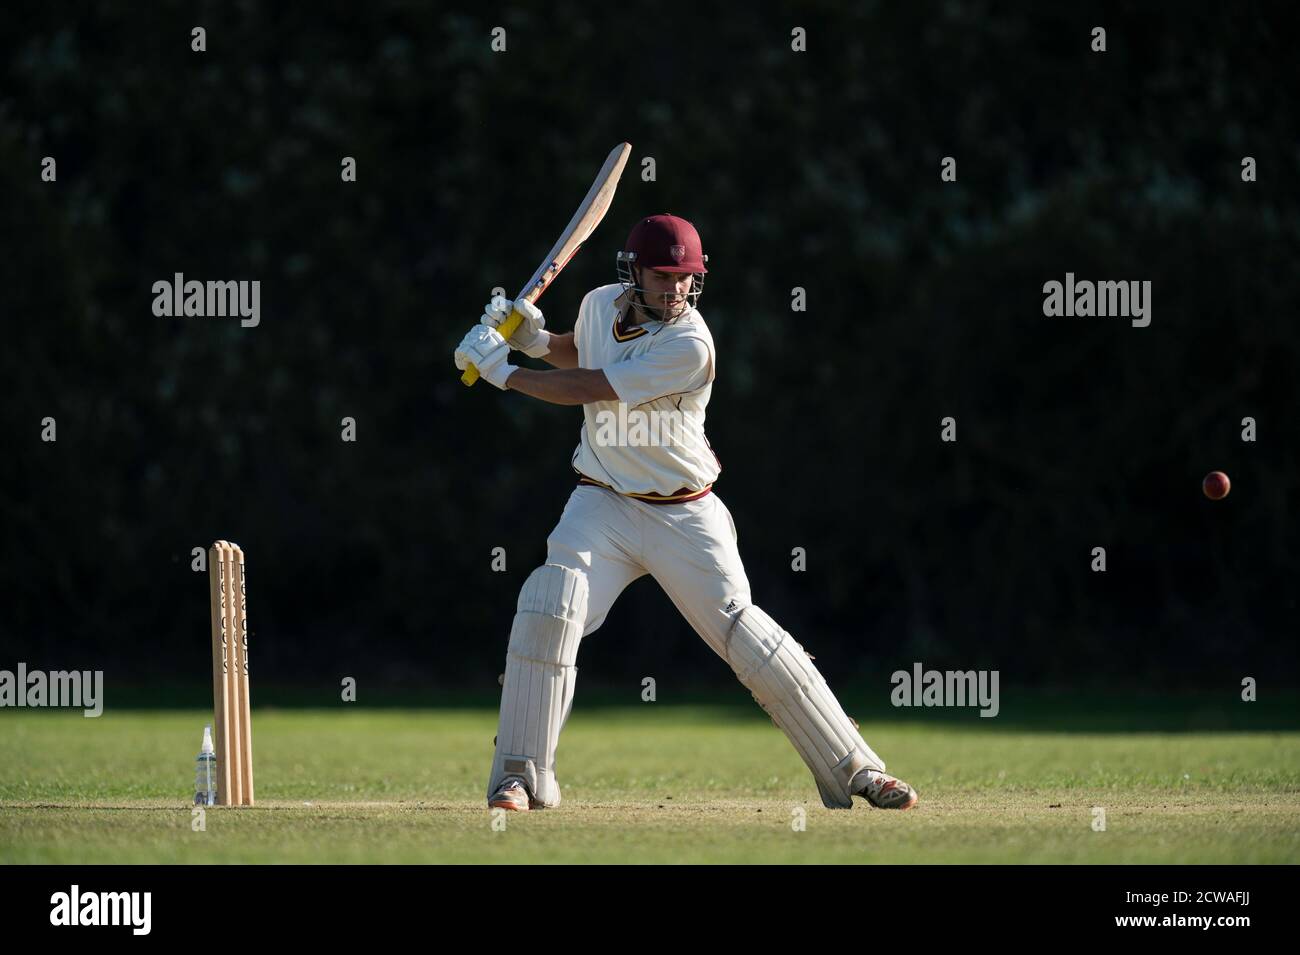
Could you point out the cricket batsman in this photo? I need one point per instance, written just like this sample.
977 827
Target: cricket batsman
641 361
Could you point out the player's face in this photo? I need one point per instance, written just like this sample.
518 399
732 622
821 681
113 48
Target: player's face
666 291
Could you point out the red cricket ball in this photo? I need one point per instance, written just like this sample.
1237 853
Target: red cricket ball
1216 485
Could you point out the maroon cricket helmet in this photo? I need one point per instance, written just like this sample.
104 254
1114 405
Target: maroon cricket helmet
666 243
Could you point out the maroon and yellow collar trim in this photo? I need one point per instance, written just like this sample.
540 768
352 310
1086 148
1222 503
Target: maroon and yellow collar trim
677 497
625 333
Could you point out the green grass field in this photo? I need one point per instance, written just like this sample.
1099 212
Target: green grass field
658 783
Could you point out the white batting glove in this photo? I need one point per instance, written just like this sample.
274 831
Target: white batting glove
531 337
487 351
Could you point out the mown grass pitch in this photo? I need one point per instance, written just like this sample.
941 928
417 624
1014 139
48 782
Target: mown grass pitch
654 783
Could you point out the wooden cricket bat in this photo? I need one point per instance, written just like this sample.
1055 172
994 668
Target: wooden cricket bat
580 227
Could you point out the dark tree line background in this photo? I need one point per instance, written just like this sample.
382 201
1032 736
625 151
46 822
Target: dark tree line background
817 169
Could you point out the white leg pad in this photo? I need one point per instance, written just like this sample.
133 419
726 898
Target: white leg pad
539 679
788 686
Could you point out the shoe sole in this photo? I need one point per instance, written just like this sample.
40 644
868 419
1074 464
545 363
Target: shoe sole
911 803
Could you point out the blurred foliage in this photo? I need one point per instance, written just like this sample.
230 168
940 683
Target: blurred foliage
818 170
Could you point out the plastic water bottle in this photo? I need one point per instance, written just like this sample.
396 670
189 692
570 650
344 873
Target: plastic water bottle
205 772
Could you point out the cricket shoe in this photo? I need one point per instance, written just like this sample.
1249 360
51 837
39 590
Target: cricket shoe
512 795
883 790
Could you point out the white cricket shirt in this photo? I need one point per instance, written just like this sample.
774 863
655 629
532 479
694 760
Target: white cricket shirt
649 444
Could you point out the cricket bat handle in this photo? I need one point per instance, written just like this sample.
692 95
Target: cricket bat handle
505 329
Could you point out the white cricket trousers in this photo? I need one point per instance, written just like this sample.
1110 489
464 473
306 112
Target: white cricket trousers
689 548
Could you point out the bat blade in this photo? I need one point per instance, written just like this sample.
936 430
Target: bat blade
590 212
